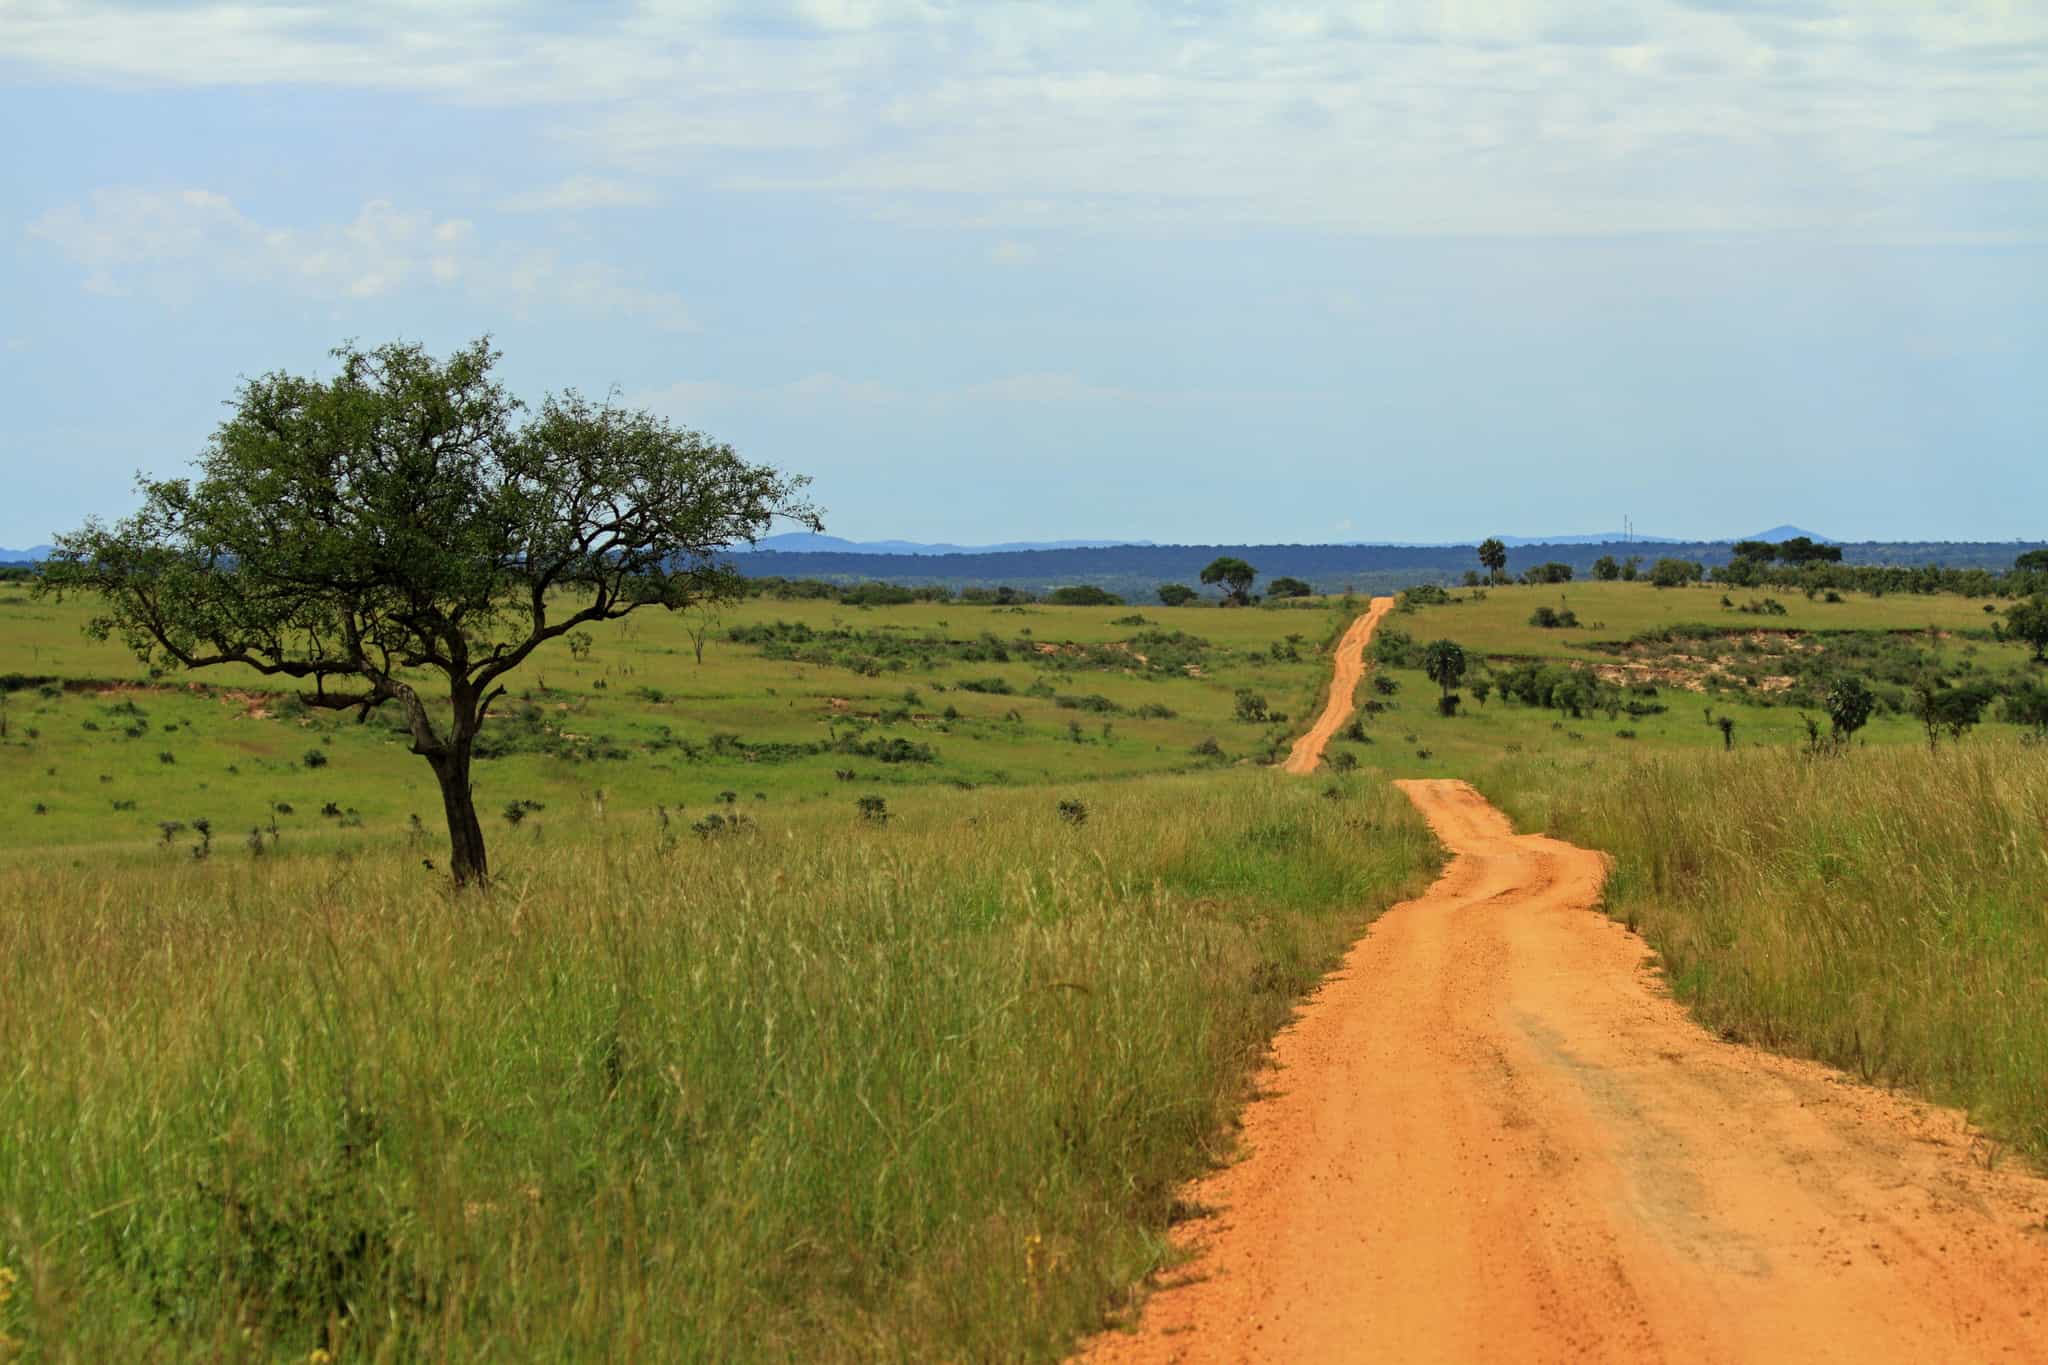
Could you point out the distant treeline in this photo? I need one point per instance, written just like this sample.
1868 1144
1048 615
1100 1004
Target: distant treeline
1135 571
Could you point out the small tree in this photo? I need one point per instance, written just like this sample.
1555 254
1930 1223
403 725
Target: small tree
1288 587
1676 573
1630 567
701 619
2028 705
1176 594
1444 663
1756 551
2033 561
350 533
1850 702
1234 576
1726 725
1953 709
1493 557
1606 568
2028 622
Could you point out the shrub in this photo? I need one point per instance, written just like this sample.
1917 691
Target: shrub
314 758
1083 595
1074 812
873 809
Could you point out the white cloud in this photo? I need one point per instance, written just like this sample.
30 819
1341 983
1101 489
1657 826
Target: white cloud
577 194
1012 253
1412 116
173 244
1046 388
833 390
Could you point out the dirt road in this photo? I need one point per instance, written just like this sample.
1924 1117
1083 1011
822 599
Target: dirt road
1350 667
1490 1136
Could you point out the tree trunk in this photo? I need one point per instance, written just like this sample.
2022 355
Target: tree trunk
466 859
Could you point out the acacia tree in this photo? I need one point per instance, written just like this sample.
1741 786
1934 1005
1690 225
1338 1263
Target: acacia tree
1493 556
403 522
1234 575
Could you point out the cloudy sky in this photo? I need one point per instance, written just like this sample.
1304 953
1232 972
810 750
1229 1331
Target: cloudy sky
1182 271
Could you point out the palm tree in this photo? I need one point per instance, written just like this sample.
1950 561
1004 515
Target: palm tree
1444 662
1494 555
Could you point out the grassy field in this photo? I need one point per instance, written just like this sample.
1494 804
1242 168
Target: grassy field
1719 663
829 1090
1880 909
98 755
806 1084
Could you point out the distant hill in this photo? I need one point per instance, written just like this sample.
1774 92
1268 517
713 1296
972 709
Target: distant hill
1135 571
1777 533
805 542
33 554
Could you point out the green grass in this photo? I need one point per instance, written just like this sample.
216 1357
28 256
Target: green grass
1498 623
634 725
826 1090
1879 909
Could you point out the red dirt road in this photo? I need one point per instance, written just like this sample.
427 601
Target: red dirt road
1349 669
1490 1136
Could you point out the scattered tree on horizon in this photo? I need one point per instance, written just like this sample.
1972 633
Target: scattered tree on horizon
1176 594
2033 561
1805 550
1759 551
1676 573
1234 576
1493 557
348 533
1083 595
1288 587
1551 571
1606 568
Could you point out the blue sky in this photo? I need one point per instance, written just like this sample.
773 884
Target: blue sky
1182 271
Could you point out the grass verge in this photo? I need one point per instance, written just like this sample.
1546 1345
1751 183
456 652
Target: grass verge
829 1089
1879 909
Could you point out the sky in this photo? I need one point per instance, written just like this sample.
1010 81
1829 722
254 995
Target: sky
1188 272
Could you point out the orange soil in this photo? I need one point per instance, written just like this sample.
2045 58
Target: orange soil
1491 1136
1350 667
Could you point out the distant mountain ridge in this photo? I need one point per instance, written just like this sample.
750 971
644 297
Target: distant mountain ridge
806 542
809 543
32 554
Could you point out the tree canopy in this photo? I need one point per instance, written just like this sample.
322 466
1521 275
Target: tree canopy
1234 575
410 517
2028 621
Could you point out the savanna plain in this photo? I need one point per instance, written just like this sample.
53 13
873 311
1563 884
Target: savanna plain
867 978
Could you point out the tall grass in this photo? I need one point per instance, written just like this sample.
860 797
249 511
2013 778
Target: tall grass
835 1089
1885 909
